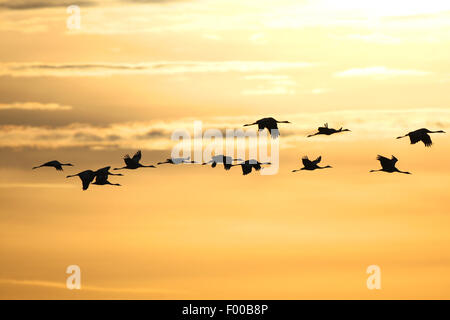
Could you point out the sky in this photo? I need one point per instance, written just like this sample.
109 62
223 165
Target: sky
134 71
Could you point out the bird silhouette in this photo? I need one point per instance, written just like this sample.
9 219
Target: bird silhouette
177 161
311 165
101 178
327 131
55 164
100 175
133 163
270 124
388 165
105 171
421 135
226 160
248 165
86 177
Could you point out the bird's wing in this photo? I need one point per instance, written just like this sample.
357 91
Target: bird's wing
385 162
86 184
326 125
128 160
306 161
426 139
261 125
246 169
318 160
54 164
275 133
394 159
104 170
415 137
256 166
137 156
101 178
86 178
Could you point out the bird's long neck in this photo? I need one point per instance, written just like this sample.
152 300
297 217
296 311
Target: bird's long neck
66 164
119 168
73 175
405 172
149 166
250 124
283 121
438 131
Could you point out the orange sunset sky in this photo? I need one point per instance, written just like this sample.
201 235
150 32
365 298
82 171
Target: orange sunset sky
136 70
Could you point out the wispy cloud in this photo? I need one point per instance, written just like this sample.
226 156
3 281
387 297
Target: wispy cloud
259 38
212 37
319 91
34 185
380 71
34 106
268 91
374 38
40 4
156 135
269 77
62 285
273 84
158 67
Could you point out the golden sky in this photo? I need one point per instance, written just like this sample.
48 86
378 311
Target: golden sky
135 71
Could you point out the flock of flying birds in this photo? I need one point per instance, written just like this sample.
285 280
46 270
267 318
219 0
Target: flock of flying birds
101 175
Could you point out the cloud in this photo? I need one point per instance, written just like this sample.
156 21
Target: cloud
40 4
62 285
34 185
319 91
212 37
158 67
268 91
374 38
380 71
156 135
152 134
266 77
273 85
34 106
258 38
